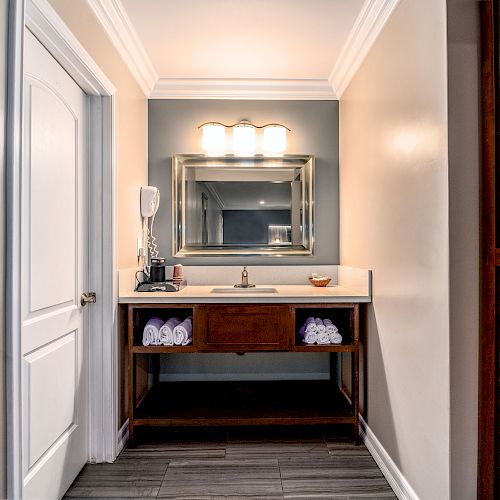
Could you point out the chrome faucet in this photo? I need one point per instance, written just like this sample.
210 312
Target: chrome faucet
244 277
244 280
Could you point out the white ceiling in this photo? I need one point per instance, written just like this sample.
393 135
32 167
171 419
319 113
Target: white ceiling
257 39
243 49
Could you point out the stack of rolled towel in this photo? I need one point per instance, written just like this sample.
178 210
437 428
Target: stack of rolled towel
320 331
170 332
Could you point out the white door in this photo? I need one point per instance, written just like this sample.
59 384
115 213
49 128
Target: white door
54 337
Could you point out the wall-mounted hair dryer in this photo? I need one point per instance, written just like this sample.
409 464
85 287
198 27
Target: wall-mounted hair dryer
150 200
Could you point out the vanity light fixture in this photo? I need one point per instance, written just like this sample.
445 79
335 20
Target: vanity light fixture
213 137
244 137
274 138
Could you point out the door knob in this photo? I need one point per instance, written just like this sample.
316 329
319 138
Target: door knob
87 298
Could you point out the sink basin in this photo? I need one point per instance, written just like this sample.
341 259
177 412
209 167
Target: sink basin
227 289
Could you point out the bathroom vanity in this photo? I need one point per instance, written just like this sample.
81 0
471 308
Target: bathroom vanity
225 321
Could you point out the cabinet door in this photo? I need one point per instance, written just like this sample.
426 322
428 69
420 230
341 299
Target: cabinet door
243 328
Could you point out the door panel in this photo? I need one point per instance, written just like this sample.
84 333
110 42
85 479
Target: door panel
45 425
53 199
54 335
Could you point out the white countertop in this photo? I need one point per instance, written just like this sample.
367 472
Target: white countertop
193 294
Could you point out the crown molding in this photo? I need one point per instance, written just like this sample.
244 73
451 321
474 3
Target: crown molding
369 23
117 25
215 193
243 88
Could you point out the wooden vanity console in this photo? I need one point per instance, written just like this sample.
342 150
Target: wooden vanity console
241 328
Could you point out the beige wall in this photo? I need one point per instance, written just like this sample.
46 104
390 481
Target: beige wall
3 88
394 220
131 132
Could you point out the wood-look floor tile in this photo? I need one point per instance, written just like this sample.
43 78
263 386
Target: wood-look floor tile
174 445
325 472
129 479
125 468
347 449
363 463
275 435
250 465
276 450
332 487
207 496
222 479
112 492
339 496
107 498
177 451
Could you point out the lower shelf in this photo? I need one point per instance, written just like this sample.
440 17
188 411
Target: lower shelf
243 403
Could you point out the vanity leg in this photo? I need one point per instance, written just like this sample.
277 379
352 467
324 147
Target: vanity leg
355 396
131 376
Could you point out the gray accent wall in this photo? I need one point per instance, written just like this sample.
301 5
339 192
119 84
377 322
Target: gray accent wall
243 226
173 129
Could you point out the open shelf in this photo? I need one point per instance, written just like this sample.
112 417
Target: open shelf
163 349
141 316
244 403
303 347
341 317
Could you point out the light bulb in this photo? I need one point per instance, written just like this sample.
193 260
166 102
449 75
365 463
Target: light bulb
274 139
213 138
244 139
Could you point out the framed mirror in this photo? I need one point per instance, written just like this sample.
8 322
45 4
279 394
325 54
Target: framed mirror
243 205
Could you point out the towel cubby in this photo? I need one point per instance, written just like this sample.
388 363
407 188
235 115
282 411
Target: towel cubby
343 316
140 314
241 328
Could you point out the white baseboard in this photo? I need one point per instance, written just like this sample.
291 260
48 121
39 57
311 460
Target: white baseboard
122 438
395 478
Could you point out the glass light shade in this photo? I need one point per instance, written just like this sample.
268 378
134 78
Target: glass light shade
274 139
244 140
213 138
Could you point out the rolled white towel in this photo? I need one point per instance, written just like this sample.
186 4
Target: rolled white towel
151 332
183 333
335 338
310 325
323 338
302 331
167 331
310 337
320 326
330 327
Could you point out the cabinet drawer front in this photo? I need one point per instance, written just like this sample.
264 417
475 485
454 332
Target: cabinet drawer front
240 328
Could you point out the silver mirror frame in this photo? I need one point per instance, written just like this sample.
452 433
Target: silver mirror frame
180 162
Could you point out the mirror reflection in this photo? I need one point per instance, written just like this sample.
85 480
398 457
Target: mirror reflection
253 206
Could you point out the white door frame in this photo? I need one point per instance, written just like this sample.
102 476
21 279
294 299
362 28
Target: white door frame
41 19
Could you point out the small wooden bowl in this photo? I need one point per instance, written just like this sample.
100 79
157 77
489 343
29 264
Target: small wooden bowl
320 281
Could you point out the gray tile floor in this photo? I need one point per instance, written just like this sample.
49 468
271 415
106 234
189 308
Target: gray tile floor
247 464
